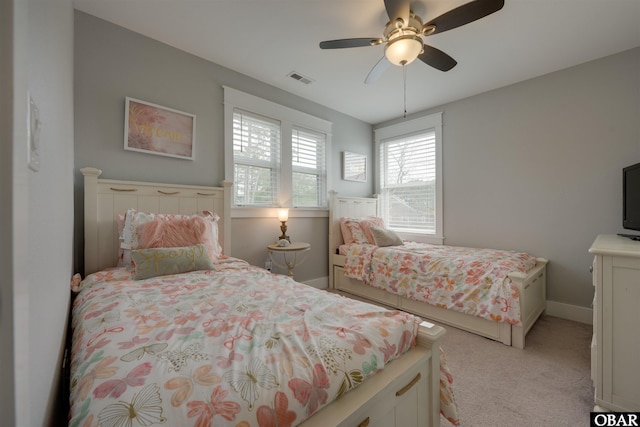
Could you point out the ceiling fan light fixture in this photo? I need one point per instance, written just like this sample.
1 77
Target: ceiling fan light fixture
404 49
428 29
403 34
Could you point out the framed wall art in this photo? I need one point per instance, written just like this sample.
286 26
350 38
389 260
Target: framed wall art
354 167
153 129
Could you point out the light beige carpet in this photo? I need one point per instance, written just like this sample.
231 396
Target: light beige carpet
546 384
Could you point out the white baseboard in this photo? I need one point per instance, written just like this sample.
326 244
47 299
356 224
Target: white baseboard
320 282
570 312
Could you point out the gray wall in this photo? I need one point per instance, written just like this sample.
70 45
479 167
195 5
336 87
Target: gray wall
537 166
38 207
534 166
7 357
112 62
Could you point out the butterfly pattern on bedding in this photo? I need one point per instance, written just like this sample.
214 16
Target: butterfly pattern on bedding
469 280
234 346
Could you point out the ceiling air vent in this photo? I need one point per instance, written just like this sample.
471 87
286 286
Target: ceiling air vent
299 77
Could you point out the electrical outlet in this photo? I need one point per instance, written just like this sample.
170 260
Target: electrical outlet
34 124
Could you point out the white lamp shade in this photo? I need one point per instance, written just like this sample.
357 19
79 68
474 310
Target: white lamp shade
403 50
283 215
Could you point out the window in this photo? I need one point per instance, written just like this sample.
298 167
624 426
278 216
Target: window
410 176
256 156
308 168
275 156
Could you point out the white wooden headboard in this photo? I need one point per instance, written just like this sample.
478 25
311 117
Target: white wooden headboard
104 199
353 207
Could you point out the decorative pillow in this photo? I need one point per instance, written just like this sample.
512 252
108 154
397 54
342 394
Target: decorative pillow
162 233
346 233
154 262
357 230
120 222
214 219
367 223
386 237
351 231
134 218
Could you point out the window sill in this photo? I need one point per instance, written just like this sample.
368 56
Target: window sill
240 212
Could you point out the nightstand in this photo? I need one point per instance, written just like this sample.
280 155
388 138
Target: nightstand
293 255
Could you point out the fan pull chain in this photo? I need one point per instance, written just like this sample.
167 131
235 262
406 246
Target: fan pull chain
404 88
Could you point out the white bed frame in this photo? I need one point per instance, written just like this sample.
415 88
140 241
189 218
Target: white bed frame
532 286
404 394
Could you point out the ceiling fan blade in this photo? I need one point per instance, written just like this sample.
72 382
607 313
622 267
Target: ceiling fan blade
398 9
343 43
437 58
465 14
377 71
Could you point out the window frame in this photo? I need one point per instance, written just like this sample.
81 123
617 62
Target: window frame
404 129
289 119
275 156
319 170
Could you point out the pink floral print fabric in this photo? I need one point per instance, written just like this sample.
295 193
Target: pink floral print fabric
469 280
234 346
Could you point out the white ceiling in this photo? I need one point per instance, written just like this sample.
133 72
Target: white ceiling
268 39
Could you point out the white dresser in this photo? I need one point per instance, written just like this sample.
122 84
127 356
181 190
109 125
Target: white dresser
616 323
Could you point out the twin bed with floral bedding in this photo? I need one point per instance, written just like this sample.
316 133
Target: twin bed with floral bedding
468 280
188 336
495 293
234 345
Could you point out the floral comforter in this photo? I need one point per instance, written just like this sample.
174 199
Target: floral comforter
235 346
469 280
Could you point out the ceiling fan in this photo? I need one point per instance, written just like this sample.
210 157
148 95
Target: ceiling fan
402 35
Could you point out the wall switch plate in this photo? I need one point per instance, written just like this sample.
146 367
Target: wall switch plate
33 134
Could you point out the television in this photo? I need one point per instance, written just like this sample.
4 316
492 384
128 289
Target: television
631 199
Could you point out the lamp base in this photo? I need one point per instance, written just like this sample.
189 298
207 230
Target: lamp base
283 228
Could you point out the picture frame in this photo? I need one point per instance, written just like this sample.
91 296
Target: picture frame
154 129
354 167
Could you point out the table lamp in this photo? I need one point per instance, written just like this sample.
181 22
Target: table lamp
283 216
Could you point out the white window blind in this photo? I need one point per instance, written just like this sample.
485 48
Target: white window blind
309 175
276 156
408 182
256 157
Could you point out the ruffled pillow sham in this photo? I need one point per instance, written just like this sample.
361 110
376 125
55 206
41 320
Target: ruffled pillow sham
358 230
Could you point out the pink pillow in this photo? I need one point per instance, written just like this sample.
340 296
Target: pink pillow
367 223
351 231
133 219
181 232
120 222
358 230
346 232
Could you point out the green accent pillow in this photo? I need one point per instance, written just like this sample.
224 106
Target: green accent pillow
154 262
385 237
